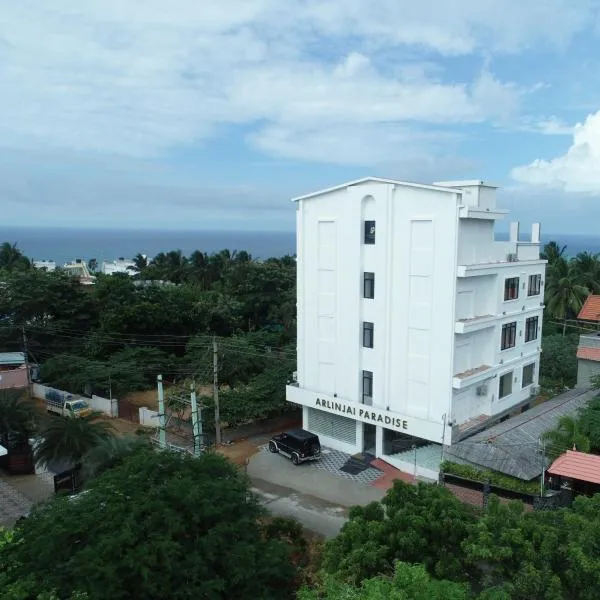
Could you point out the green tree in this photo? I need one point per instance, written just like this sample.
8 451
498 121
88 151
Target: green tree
414 524
19 417
409 582
12 259
589 421
109 452
558 364
564 292
586 269
568 435
160 524
552 252
68 440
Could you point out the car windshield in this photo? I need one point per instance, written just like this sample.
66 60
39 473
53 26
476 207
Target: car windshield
79 405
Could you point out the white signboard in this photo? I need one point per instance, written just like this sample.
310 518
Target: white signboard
418 427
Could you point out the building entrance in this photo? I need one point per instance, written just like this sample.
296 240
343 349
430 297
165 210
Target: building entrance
369 438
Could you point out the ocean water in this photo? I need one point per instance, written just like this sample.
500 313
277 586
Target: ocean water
64 245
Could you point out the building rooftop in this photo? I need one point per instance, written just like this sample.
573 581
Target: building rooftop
588 353
512 447
464 183
577 465
590 311
375 180
12 358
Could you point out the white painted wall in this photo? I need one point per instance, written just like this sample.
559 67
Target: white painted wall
421 245
148 418
414 282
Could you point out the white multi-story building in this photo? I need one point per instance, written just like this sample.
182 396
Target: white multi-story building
414 325
46 265
121 265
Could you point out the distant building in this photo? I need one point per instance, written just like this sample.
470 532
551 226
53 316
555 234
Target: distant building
414 324
588 351
78 268
13 370
121 265
45 265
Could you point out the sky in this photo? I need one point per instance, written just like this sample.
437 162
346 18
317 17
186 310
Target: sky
197 114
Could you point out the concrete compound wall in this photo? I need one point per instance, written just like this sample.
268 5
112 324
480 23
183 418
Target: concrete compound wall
97 403
148 418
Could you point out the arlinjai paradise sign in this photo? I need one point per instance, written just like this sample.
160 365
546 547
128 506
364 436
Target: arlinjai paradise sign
419 427
365 413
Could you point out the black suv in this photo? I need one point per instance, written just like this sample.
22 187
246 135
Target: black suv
299 445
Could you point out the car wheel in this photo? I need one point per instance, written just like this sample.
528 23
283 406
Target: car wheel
295 459
273 447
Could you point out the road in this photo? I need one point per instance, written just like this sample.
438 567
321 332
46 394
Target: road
318 516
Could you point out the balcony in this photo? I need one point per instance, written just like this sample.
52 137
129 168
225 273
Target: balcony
474 323
471 376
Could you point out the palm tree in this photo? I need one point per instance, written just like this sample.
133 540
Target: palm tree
68 440
564 294
586 267
552 252
566 436
110 452
18 417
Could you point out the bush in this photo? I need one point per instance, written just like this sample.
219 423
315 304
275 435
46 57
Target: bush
497 479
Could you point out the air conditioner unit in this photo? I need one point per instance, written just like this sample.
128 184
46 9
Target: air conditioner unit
481 390
512 257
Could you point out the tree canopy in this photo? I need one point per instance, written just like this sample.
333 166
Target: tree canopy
158 525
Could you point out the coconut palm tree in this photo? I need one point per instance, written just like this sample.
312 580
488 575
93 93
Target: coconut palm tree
586 267
68 439
552 252
567 436
564 294
110 452
18 416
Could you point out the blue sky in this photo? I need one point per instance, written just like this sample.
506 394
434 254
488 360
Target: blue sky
198 114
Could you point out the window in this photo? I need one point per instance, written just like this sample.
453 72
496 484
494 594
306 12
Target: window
511 288
535 285
369 285
528 375
509 335
531 329
505 385
368 334
367 387
369 232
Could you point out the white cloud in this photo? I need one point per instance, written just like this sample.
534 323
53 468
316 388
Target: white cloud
578 170
137 78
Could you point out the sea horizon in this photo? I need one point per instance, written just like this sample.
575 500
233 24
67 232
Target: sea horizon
64 244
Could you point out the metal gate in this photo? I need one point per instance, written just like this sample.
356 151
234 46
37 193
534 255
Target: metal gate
129 411
333 426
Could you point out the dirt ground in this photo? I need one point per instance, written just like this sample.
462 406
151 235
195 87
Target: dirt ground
240 452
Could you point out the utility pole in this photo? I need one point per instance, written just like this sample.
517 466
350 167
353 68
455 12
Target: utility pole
216 392
196 421
26 356
162 434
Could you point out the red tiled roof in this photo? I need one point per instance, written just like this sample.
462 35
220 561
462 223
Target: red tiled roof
590 311
577 465
588 353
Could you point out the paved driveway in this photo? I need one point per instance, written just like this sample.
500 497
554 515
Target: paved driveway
12 504
315 497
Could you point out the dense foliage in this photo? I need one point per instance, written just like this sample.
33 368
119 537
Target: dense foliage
158 525
504 553
119 334
494 477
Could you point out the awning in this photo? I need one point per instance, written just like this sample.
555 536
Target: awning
577 465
